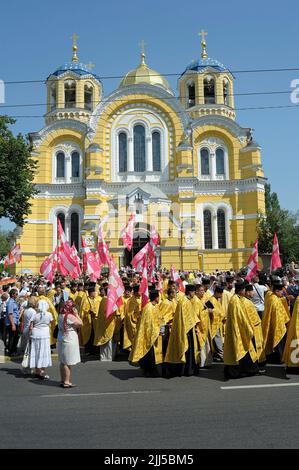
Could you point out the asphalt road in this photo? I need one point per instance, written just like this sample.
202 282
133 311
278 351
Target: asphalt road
115 407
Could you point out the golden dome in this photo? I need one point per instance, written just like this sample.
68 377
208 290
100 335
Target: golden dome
143 74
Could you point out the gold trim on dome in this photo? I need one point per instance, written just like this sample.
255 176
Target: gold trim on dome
75 48
203 34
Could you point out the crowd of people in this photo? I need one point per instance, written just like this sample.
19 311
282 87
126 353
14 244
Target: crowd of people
184 327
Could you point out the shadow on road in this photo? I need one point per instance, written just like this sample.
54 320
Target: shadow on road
277 372
215 373
126 374
16 372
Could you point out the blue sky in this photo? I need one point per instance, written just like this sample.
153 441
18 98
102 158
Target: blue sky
35 39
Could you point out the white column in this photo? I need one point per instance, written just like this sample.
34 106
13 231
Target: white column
149 154
68 168
213 165
214 230
130 154
226 169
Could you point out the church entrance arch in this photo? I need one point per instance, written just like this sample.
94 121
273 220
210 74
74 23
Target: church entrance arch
140 238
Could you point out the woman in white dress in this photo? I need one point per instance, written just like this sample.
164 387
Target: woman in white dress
39 332
68 344
29 310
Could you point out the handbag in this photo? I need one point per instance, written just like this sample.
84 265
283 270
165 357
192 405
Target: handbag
25 361
55 332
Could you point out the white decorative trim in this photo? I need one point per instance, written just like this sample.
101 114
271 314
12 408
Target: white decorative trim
37 138
67 148
213 207
36 221
149 90
67 211
212 144
58 191
242 133
248 216
151 121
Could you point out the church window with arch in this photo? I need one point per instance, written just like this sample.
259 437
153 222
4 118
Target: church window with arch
226 92
70 94
75 165
122 152
88 96
208 238
60 165
139 148
209 90
156 145
53 96
220 168
191 95
221 228
205 161
74 230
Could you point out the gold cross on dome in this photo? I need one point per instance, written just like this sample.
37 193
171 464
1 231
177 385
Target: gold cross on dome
90 65
74 38
75 48
202 33
142 44
204 54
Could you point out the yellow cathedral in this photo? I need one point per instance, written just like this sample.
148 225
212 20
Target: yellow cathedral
182 164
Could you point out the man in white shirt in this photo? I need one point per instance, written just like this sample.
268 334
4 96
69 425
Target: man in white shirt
258 296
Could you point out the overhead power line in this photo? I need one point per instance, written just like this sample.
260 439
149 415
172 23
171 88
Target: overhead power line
253 93
110 77
171 113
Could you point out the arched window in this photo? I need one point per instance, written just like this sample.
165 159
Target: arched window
220 162
70 94
53 96
88 96
226 92
209 90
191 95
75 165
122 152
204 162
75 229
221 228
60 165
207 221
139 148
61 217
156 141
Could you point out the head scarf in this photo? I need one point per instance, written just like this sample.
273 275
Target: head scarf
42 307
67 309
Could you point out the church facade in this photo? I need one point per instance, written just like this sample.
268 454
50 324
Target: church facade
182 164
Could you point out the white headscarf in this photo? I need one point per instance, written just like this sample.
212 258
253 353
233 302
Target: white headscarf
42 307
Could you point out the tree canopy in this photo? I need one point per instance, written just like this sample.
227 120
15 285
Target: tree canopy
17 169
284 224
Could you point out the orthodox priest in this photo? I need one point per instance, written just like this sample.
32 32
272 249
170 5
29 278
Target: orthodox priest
182 355
240 357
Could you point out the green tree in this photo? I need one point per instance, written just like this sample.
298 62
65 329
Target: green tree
17 170
284 224
6 242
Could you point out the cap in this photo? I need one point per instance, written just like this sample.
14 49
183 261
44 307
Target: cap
249 287
240 285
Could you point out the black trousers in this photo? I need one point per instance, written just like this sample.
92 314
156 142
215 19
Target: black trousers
189 367
276 356
13 338
149 366
246 368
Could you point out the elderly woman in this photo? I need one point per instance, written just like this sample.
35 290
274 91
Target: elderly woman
68 344
39 332
29 311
